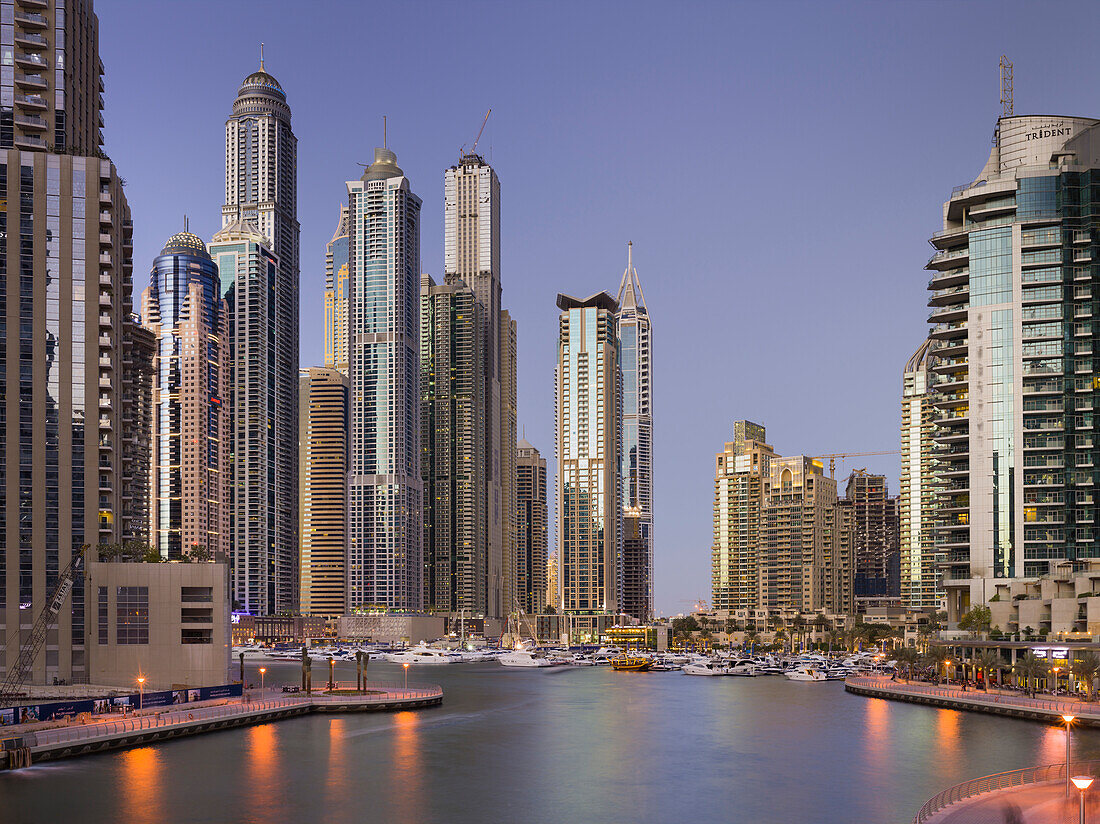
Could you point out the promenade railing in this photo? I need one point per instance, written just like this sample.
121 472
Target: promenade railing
1073 706
1001 781
250 704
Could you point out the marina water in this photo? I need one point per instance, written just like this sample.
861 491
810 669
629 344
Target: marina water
552 745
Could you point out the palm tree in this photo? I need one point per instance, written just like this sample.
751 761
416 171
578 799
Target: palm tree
987 661
906 657
1030 667
1086 667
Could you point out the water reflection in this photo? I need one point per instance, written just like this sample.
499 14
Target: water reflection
336 783
408 801
141 794
948 743
877 727
261 770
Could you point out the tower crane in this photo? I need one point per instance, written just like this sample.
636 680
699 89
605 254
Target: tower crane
473 149
842 455
17 675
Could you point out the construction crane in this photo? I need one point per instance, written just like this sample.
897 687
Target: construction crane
473 149
17 675
842 455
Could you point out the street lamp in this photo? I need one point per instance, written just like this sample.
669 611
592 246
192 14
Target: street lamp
1069 720
262 671
1082 782
947 671
141 690
406 666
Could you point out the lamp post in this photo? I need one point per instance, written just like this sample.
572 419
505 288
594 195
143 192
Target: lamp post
947 671
1082 782
406 666
1069 720
141 690
331 674
262 671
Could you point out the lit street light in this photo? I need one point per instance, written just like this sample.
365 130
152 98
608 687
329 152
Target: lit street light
141 690
262 671
1082 782
1069 720
406 666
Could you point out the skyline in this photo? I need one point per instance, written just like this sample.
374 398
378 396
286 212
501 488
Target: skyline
565 224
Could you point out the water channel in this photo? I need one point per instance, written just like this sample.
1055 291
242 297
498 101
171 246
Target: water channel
557 745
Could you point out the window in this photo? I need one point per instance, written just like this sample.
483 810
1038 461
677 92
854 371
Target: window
103 616
196 636
132 615
195 595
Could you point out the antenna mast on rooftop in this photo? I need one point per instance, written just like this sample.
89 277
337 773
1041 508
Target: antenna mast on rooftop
1006 86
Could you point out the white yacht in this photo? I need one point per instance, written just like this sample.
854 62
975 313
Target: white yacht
707 668
423 654
806 674
743 668
524 658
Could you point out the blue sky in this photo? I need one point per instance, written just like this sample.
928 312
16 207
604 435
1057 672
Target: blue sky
779 167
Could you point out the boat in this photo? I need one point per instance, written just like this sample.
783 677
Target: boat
423 654
630 663
524 658
706 668
744 668
806 674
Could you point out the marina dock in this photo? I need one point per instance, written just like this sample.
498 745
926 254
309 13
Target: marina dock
23 747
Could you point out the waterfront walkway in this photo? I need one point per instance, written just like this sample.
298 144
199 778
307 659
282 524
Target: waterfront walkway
68 738
1014 704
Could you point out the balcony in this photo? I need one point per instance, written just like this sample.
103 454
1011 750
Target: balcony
945 236
949 259
104 218
942 297
31 101
30 81
105 259
1043 387
1000 205
32 62
30 121
30 19
26 141
956 311
952 381
106 281
952 277
948 331
951 400
34 4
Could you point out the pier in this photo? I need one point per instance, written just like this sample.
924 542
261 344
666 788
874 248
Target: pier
29 744
1016 705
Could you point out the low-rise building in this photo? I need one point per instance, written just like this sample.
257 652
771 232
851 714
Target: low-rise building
279 629
166 622
391 628
1062 604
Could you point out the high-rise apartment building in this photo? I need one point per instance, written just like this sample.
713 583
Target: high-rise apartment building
472 254
532 520
336 296
782 540
261 191
877 556
1013 299
637 396
920 573
385 560
588 385
324 406
66 480
553 583
190 508
453 388
740 470
248 272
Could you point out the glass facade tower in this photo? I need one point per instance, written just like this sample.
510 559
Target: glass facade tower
1013 296
336 296
385 557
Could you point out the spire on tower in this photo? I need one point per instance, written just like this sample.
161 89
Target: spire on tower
630 288
261 56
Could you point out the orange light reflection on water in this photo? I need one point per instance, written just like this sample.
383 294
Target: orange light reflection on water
140 787
407 768
262 773
1052 745
878 727
336 782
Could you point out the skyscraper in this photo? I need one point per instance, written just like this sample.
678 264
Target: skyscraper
782 540
531 516
261 191
385 561
920 575
65 330
589 439
323 475
472 253
264 580
876 554
636 354
190 507
336 296
454 466
1013 289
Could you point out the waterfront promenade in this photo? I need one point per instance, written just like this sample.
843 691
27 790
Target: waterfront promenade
62 739
1014 704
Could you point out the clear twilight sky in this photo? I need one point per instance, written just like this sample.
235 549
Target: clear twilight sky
779 167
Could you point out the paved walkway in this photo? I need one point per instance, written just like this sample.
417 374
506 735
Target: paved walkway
1033 804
